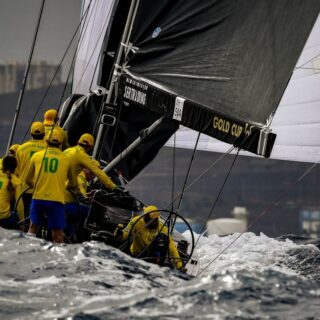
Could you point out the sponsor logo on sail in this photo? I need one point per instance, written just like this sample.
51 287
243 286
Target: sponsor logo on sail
134 95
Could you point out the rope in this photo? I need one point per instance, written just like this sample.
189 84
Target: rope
173 171
80 39
188 172
202 174
57 69
218 196
264 212
24 82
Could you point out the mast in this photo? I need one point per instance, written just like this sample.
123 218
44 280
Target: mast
24 81
117 68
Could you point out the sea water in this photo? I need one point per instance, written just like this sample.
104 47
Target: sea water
239 277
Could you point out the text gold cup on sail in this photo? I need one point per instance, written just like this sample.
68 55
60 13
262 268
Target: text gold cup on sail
221 124
236 130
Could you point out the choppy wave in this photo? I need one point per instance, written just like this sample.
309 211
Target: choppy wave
255 278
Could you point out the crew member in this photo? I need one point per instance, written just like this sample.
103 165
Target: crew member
48 173
23 155
150 238
77 211
11 152
50 122
80 159
10 191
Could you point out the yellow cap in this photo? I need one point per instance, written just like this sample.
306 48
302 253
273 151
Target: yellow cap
154 213
55 136
86 139
37 128
13 149
50 117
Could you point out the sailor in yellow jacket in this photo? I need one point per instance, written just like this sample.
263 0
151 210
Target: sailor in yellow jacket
11 152
80 159
50 122
146 233
10 191
23 156
48 173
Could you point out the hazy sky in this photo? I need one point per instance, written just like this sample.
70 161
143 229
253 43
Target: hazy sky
18 20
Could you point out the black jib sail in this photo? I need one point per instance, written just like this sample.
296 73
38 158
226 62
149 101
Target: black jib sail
218 67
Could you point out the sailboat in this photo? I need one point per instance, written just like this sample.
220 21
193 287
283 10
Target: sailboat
145 69
218 68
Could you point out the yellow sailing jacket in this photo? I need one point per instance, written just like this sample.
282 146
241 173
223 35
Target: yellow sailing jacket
23 156
50 182
80 159
83 185
6 196
64 133
143 236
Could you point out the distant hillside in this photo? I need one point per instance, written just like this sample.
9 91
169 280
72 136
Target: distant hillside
30 104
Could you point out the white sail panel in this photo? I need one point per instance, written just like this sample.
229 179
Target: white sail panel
93 30
297 120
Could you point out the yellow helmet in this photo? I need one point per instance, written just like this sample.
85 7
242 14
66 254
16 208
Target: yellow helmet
13 149
55 136
154 213
50 117
37 128
86 139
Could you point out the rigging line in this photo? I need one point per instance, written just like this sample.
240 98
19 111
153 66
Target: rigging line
26 73
66 84
80 39
204 173
263 212
306 68
310 60
58 109
218 197
188 172
173 171
67 80
83 29
57 69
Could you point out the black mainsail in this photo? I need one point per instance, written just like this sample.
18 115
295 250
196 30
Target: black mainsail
217 67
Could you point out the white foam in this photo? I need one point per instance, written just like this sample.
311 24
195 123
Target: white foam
241 251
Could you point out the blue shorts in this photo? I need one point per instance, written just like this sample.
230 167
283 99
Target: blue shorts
53 211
